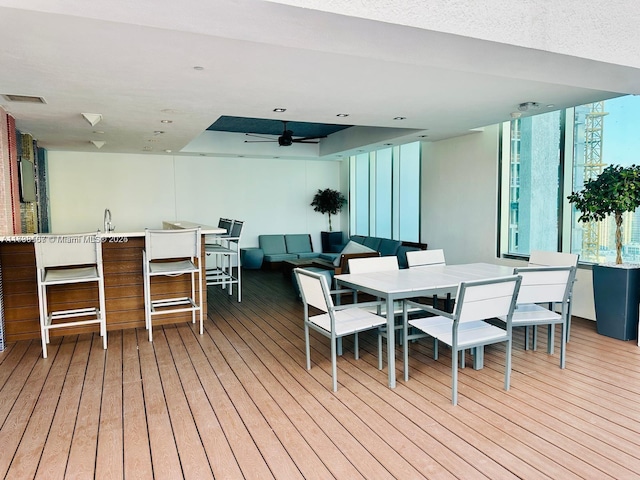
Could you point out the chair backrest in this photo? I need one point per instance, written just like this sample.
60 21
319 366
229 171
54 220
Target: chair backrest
164 244
373 264
225 223
541 258
484 299
545 284
62 250
236 228
314 289
426 258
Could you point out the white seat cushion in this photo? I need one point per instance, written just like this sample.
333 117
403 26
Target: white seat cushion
70 275
348 321
531 313
169 268
469 333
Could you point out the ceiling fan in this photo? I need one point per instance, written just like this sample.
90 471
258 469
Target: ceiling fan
286 139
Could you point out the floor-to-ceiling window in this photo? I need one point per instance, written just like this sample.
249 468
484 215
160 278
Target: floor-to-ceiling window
385 193
550 155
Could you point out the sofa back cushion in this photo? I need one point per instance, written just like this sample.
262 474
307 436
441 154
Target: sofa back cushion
358 239
372 242
298 243
389 247
272 244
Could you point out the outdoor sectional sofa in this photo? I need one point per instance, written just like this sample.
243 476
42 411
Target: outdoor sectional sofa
279 248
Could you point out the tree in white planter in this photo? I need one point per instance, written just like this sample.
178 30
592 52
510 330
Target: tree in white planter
328 201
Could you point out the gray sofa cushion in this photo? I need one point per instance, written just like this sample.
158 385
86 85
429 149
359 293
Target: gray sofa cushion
298 243
280 257
272 244
388 247
373 243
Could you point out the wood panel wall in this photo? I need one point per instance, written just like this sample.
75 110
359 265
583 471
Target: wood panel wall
122 264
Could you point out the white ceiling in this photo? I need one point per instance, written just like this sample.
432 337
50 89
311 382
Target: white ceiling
133 62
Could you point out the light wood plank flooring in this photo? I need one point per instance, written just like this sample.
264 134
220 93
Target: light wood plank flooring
238 402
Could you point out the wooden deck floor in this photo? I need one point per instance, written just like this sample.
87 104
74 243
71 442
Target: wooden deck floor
238 402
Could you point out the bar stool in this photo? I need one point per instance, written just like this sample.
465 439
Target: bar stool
172 253
69 260
223 257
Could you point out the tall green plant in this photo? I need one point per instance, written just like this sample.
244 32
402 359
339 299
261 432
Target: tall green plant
328 201
615 191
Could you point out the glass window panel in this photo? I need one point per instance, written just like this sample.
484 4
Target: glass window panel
385 193
605 133
409 192
534 187
382 181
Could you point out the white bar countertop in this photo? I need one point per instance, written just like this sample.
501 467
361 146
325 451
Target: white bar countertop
167 225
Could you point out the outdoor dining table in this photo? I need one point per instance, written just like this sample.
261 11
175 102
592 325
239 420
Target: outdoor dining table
416 282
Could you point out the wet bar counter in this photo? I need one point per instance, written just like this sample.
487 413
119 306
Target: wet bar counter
122 262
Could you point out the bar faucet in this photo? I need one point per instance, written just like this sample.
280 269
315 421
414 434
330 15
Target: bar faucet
108 227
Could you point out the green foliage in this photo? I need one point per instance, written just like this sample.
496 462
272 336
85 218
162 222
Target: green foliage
328 201
615 190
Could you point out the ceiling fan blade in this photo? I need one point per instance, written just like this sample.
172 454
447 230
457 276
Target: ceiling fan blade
308 138
305 139
260 141
260 136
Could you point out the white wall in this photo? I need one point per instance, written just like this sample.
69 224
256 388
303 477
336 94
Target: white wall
271 196
459 205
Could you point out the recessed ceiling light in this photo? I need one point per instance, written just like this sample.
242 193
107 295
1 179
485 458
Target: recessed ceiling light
422 136
388 144
166 121
158 132
551 105
342 115
168 151
147 148
399 118
99 132
199 68
279 110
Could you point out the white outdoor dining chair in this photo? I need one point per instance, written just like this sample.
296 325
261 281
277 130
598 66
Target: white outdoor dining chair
63 260
430 258
172 253
466 327
548 286
333 321
542 258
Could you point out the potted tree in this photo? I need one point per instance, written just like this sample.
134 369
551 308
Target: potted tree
329 201
616 288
